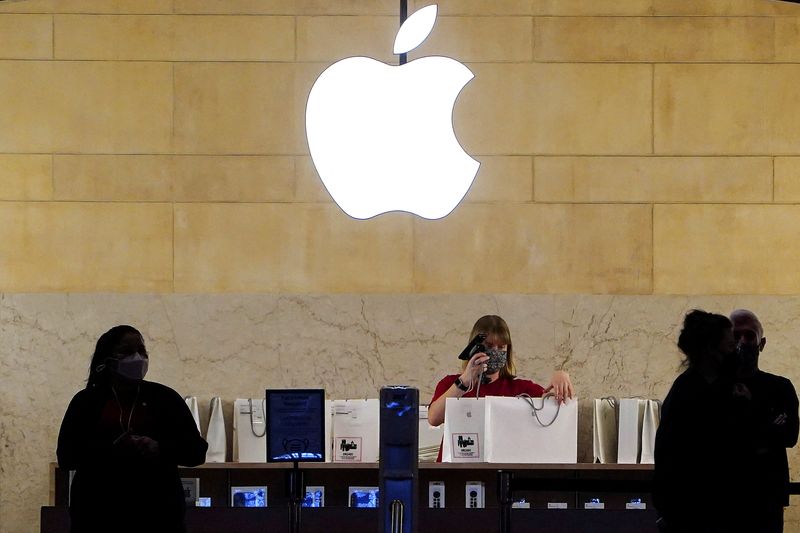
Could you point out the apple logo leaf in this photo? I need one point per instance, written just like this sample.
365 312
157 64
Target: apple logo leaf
415 29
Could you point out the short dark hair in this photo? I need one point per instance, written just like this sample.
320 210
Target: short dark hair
103 350
701 330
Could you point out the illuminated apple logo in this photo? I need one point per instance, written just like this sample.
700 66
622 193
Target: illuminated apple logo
381 136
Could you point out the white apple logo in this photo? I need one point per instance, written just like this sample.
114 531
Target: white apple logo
381 136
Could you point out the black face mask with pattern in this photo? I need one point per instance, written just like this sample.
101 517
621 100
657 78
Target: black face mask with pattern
497 360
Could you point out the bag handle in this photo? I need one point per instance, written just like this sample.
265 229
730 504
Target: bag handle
264 411
611 400
535 410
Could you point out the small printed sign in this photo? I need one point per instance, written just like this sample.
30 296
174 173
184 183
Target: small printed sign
296 428
348 449
556 505
594 505
636 505
466 446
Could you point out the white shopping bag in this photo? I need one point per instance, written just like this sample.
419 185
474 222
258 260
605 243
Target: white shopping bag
604 430
356 428
464 429
531 430
191 403
215 434
629 441
249 431
650 421
430 437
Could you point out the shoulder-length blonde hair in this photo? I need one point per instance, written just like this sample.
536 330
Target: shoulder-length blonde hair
494 326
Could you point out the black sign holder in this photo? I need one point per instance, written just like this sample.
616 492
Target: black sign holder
295 484
308 405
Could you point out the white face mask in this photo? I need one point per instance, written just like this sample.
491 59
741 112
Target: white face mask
132 367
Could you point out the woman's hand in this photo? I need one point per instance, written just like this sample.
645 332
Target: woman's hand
561 386
469 377
475 366
145 446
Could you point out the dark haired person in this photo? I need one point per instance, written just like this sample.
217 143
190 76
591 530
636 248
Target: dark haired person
773 419
124 438
497 364
697 440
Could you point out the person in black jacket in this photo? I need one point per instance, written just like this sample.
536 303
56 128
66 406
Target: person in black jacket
124 438
699 438
772 414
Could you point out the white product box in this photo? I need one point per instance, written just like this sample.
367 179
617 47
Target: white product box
475 495
436 494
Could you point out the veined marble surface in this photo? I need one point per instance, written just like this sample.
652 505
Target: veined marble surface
236 345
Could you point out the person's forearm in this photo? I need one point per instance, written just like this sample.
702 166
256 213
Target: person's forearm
436 409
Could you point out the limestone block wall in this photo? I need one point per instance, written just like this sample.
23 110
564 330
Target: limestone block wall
154 169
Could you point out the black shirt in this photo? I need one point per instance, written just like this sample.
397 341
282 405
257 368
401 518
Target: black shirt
773 417
696 446
114 487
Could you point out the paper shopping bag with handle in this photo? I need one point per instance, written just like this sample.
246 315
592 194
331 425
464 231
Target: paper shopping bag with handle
249 431
531 430
604 430
463 430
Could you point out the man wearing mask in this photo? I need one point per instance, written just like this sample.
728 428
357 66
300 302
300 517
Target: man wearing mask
772 426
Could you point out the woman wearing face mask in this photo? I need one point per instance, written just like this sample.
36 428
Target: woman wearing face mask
496 364
124 438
